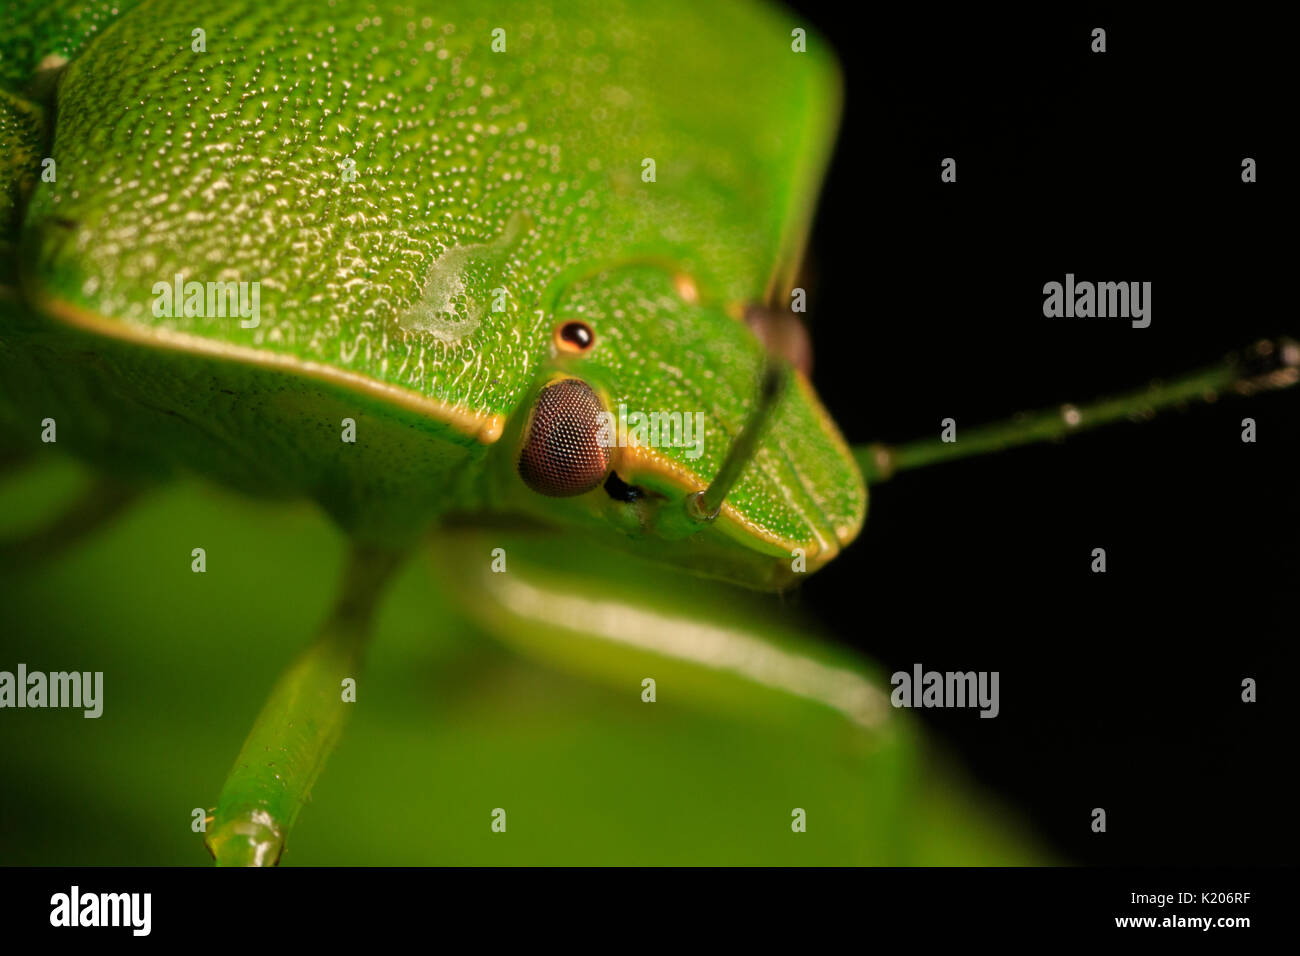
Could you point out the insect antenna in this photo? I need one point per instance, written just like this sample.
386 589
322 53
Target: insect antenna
1269 364
703 506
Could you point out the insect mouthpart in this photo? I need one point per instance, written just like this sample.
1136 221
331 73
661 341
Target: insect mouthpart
620 490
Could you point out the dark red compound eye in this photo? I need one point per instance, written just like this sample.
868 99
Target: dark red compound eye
574 337
563 455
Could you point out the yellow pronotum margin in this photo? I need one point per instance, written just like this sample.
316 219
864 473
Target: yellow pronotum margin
485 427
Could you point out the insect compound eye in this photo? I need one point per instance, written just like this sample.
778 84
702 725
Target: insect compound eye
574 337
563 454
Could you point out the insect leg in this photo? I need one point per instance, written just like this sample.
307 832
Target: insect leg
619 620
299 724
99 504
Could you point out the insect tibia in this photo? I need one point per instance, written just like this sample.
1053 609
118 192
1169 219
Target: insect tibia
248 839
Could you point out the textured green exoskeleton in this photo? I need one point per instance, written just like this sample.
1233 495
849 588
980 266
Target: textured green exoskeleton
447 208
421 213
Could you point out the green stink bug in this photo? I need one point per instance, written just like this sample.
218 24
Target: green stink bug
463 255
424 215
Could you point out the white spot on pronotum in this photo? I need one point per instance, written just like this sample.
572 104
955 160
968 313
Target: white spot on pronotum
200 563
1071 416
798 300
450 307
48 431
1247 170
799 561
799 41
799 823
349 695
47 170
1248 430
948 434
349 434
200 42
1098 40
1098 560
1098 820
498 820
1248 690
648 690
948 170
498 560
647 170
499 40
199 823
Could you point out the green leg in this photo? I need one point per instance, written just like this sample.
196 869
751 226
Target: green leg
299 725
1266 365
99 504
617 619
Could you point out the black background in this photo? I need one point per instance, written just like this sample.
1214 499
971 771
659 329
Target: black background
1119 690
